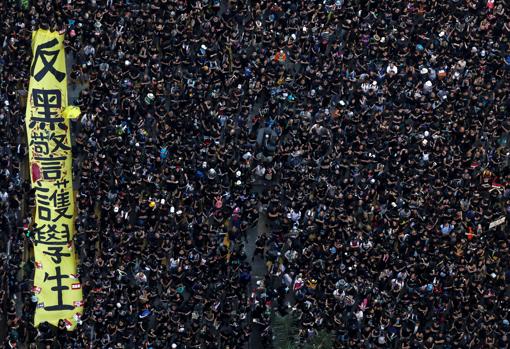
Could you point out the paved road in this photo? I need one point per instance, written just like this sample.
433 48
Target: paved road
258 266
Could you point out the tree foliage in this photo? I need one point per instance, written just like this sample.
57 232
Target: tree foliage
285 331
322 340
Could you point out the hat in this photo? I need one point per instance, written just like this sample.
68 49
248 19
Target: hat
238 173
144 313
203 47
424 70
149 98
377 37
127 63
419 47
428 83
152 204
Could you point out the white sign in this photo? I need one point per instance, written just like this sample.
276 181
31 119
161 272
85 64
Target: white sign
497 222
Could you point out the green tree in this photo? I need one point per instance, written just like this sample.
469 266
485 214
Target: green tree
285 331
322 340
25 4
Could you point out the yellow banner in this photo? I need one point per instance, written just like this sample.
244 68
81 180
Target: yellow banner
56 283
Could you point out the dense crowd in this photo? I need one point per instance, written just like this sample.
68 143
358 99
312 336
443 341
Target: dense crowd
379 131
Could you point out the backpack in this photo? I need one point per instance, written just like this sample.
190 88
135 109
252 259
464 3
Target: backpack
218 202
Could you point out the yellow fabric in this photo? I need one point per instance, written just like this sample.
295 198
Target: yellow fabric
71 112
56 282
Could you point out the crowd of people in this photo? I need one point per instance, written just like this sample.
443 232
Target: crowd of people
378 131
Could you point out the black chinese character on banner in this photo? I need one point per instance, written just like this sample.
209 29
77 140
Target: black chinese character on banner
59 288
58 199
47 104
44 213
48 57
62 213
47 234
51 166
59 141
40 142
64 182
56 253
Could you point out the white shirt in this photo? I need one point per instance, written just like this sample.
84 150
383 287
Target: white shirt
260 171
392 68
367 87
294 216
